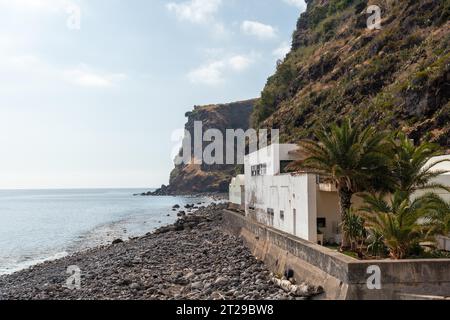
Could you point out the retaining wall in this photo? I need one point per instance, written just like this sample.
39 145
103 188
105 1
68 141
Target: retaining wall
342 277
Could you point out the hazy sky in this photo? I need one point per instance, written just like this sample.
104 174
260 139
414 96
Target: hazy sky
94 104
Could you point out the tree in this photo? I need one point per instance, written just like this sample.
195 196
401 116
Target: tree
438 215
397 220
375 243
413 168
353 227
405 218
354 159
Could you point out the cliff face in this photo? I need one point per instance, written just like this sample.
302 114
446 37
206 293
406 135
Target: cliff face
211 178
396 77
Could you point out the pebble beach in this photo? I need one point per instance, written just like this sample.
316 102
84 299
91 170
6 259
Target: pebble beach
192 259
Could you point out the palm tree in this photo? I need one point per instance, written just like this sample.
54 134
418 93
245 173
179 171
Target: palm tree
353 227
397 220
401 221
375 243
438 215
354 159
413 168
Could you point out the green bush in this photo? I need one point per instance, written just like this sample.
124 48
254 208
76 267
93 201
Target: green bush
339 5
316 15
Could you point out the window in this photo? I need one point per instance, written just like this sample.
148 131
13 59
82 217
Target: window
284 165
321 222
270 212
259 170
281 214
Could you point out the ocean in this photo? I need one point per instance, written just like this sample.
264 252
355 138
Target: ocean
41 225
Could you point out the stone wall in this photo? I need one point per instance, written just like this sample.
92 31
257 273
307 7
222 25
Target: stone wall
341 276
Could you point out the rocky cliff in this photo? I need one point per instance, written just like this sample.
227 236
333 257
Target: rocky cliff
395 77
188 179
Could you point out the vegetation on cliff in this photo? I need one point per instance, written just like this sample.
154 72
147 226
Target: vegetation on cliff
396 77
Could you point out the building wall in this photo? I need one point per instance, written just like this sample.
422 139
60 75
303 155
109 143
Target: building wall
237 191
293 203
301 196
285 202
271 157
328 208
442 179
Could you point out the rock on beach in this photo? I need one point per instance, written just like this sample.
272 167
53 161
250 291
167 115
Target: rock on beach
189 260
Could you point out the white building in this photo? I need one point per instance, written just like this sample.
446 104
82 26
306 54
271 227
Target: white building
237 192
296 204
299 204
443 179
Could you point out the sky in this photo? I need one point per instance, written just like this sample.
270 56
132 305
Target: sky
91 91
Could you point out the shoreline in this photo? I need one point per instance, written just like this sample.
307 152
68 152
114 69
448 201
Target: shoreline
215 196
189 260
104 231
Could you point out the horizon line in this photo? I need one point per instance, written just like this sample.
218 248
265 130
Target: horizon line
73 188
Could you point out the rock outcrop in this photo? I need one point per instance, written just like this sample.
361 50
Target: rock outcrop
193 178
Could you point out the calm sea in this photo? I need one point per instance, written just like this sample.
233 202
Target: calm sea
38 225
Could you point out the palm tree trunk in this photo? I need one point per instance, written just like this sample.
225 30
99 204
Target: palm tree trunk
345 202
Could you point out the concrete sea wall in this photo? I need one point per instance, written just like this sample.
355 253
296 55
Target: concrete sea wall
342 277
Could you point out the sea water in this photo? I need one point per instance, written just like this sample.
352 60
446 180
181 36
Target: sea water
40 225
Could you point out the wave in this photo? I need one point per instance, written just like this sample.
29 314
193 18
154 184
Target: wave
15 266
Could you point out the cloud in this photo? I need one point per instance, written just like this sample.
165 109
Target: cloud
297 3
85 77
282 50
214 72
239 62
200 12
195 11
258 29
209 74
31 69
